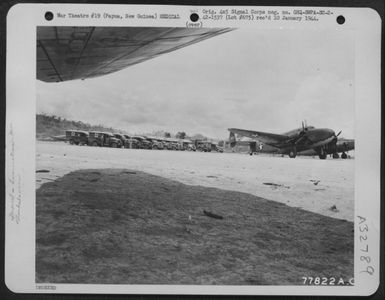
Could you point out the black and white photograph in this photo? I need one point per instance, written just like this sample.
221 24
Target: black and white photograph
168 152
194 156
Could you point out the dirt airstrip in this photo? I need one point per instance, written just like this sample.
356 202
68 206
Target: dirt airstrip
119 226
312 184
162 217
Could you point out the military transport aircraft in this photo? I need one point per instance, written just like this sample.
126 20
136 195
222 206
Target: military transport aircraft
322 140
69 53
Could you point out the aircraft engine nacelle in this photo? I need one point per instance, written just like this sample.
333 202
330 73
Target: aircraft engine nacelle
232 139
331 147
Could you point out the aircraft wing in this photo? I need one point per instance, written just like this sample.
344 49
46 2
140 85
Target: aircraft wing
68 53
268 138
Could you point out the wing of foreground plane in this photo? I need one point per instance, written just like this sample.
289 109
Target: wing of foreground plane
68 53
264 137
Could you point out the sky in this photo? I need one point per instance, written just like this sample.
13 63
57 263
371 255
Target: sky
264 80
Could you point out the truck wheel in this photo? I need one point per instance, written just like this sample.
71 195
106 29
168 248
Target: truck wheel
114 145
71 142
95 144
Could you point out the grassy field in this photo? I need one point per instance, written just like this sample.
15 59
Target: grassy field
128 227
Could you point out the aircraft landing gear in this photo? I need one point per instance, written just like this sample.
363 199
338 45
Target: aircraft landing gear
344 155
322 153
335 155
293 153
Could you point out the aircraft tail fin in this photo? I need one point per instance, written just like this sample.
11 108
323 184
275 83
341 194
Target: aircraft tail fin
232 139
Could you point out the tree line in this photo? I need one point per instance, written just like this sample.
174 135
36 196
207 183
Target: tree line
47 125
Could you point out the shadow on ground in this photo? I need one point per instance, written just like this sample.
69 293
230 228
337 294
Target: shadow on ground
127 227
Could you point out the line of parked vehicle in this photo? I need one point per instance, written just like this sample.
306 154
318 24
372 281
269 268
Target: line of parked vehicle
118 140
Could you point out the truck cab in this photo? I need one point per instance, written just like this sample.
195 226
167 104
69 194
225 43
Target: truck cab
156 143
143 142
170 144
77 137
103 139
131 142
120 137
203 146
215 147
188 145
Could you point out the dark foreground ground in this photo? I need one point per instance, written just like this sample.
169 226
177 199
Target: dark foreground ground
129 227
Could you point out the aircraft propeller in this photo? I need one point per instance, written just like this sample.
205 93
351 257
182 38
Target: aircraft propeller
302 133
336 137
301 137
304 126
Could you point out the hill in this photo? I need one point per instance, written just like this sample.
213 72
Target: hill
47 126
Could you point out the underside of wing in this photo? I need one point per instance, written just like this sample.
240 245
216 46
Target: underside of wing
276 140
68 53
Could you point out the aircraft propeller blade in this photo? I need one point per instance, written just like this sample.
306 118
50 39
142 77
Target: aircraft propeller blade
304 126
302 137
334 141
